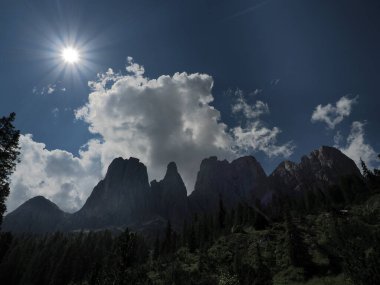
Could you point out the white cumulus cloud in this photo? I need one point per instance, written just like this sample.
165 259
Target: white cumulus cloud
158 120
356 147
58 175
333 115
169 119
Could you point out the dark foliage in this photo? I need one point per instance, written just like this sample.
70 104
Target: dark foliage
331 237
9 151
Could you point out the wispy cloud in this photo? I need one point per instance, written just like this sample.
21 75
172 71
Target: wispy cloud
250 111
275 82
333 115
55 112
49 89
256 137
252 135
257 91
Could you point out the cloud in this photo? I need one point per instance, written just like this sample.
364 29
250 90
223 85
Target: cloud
249 111
257 91
56 174
338 138
49 89
333 115
356 147
159 120
134 68
258 137
55 112
274 82
252 135
170 118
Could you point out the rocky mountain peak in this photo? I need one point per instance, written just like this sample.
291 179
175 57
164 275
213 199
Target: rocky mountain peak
124 198
171 170
37 215
121 197
319 169
325 155
249 162
241 180
210 164
169 196
126 168
42 203
209 170
173 181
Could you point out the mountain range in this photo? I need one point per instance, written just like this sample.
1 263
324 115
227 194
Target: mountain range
125 198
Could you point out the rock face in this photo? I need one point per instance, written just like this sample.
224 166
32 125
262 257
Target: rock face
37 215
320 169
242 180
169 196
124 197
121 198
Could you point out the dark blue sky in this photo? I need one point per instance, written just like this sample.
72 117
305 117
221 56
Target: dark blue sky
320 50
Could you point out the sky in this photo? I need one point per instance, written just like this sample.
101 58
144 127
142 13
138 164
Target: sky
181 81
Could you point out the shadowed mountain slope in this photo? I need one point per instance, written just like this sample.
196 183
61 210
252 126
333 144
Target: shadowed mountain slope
37 215
318 170
124 197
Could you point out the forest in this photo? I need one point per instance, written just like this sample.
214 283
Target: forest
311 238
189 142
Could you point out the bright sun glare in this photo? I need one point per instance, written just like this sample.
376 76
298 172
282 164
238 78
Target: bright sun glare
70 55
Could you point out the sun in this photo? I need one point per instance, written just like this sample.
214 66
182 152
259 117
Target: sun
70 55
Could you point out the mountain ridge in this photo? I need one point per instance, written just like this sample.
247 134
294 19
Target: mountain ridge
125 198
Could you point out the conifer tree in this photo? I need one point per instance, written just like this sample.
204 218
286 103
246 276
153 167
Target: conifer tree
366 172
372 178
297 251
156 250
377 171
222 214
239 218
192 240
263 274
9 151
167 245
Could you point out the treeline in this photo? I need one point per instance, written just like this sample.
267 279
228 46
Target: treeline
81 258
320 237
106 258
